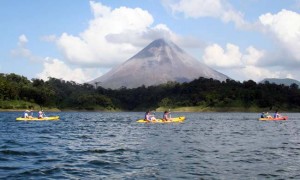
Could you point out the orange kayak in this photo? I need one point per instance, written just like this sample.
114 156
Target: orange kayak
283 118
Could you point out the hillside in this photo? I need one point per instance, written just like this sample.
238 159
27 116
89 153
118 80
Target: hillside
285 81
202 94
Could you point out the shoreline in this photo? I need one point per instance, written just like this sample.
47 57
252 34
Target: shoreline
161 109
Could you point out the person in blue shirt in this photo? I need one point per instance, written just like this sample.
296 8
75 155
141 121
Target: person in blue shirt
26 114
262 115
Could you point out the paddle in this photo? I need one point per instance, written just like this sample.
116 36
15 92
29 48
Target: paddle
153 112
31 113
44 115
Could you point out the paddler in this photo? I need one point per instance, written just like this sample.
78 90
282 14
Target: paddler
149 117
26 114
263 115
277 115
268 115
166 116
40 116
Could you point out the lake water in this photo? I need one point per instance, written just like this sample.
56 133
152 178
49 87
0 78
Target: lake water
113 146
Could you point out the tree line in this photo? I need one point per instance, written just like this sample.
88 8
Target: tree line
202 92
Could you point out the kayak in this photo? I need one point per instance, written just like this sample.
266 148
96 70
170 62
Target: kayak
174 120
283 118
38 119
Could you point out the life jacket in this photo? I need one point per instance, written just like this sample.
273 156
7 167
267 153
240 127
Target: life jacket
40 115
165 116
147 116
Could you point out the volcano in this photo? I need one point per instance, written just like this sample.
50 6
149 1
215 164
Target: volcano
158 63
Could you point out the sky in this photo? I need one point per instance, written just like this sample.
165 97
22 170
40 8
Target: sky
82 40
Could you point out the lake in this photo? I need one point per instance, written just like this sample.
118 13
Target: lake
101 145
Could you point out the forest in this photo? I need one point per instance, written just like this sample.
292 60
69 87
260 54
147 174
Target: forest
17 92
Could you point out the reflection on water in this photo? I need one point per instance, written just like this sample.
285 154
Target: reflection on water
113 146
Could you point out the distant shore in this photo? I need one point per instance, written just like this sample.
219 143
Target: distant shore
34 110
161 109
224 109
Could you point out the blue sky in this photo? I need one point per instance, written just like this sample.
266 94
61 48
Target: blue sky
81 40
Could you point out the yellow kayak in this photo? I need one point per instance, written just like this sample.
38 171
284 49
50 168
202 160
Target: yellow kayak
38 119
174 120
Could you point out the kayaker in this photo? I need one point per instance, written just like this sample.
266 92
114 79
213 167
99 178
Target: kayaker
267 115
26 114
149 117
40 116
277 115
166 116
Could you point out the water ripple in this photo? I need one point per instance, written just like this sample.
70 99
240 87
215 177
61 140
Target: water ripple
83 145
18 153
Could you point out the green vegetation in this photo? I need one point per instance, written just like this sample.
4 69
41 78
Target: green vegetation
17 92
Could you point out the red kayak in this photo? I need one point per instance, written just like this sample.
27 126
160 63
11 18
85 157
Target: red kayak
283 118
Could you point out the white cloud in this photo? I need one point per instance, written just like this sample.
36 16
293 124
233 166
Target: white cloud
113 36
58 69
139 39
284 27
22 40
53 67
257 73
75 50
220 9
241 66
23 51
216 56
198 8
49 38
281 62
253 56
99 10
92 46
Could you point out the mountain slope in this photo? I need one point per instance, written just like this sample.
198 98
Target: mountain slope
161 61
285 81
